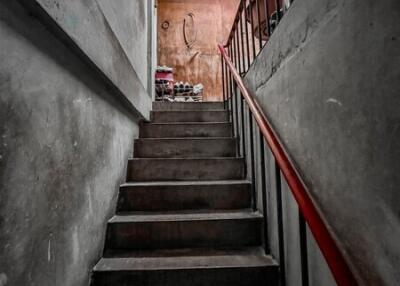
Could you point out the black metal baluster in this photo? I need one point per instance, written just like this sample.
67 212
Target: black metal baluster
236 56
231 84
278 11
280 225
236 51
238 47
243 132
237 115
226 85
267 20
264 192
242 39
252 159
247 35
228 89
223 80
303 250
233 58
259 25
234 107
252 29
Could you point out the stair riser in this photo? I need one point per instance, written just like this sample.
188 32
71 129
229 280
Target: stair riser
166 106
189 116
184 148
185 130
181 234
185 169
251 276
168 198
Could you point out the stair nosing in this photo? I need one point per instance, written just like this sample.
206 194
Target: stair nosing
255 258
191 110
187 123
150 217
186 138
186 183
185 158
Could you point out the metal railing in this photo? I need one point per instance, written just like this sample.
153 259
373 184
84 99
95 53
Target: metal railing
244 44
254 23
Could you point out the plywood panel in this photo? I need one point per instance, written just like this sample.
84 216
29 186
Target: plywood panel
199 63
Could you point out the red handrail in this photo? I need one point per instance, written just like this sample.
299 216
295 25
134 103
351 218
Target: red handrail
334 257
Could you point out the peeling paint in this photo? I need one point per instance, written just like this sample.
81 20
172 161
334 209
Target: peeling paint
335 101
49 251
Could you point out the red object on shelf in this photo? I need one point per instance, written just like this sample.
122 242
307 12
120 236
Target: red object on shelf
168 76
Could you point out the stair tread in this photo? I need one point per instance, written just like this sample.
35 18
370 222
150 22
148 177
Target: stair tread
163 106
187 259
185 216
186 159
190 110
187 123
186 138
186 183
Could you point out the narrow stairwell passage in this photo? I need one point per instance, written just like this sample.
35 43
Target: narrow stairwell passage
184 217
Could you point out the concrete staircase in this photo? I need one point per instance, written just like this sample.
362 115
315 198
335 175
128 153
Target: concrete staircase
184 216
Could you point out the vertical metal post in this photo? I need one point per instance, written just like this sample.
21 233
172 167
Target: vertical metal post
252 159
278 11
242 38
280 225
236 113
247 35
238 47
236 51
226 85
243 132
264 191
267 19
303 250
259 25
233 57
231 93
252 29
223 81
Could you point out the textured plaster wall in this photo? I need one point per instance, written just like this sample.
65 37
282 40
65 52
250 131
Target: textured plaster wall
329 81
113 35
65 137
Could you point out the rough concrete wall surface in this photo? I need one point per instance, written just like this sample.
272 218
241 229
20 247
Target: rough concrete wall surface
201 63
64 145
329 81
130 32
290 263
113 35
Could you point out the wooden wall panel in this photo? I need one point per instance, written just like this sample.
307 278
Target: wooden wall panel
201 62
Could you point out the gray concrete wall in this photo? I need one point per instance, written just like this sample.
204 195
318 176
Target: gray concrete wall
113 35
66 135
329 81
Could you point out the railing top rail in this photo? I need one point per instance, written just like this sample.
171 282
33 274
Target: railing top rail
328 246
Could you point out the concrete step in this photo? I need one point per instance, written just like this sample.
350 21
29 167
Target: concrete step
185 169
172 130
189 116
165 106
184 147
242 267
184 229
189 195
